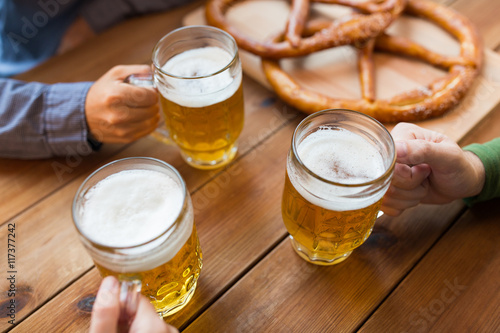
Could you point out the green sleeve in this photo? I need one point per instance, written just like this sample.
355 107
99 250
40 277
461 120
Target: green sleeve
489 154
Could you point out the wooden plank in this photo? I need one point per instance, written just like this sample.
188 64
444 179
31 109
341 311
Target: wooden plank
48 253
246 224
74 315
283 293
456 287
23 183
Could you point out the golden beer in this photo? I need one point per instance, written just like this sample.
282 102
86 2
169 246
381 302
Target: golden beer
199 77
325 234
171 285
338 169
135 219
206 134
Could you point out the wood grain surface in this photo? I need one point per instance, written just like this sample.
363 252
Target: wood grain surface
252 281
466 266
290 295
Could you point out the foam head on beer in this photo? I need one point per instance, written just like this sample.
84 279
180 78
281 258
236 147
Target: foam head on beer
340 156
200 63
131 207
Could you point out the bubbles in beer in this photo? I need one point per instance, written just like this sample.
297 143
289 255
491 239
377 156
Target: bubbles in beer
131 207
199 63
341 156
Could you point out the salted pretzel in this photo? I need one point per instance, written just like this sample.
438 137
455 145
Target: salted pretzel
431 101
374 17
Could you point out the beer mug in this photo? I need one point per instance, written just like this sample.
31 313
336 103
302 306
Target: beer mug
197 72
135 219
339 166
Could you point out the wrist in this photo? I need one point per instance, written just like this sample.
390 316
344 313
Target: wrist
478 174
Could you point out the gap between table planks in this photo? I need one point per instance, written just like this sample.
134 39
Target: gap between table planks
455 287
283 293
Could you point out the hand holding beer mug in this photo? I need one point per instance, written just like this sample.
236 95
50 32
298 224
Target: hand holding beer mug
135 218
339 167
198 74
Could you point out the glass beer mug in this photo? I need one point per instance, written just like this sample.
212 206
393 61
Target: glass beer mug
135 219
339 167
197 72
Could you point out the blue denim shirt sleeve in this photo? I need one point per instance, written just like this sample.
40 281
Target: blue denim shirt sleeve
41 121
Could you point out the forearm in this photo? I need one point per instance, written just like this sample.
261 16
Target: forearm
489 154
41 121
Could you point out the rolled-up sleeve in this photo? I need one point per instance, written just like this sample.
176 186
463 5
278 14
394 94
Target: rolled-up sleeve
102 14
41 121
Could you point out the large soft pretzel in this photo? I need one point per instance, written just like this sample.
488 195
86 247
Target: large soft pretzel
433 100
359 28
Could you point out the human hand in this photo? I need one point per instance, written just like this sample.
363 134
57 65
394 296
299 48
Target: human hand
106 312
118 112
430 168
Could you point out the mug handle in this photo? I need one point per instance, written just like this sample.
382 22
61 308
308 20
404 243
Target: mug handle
146 80
129 301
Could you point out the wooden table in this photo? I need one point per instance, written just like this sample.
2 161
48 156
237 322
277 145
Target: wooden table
434 268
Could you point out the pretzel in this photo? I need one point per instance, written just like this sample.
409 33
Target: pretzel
359 28
431 101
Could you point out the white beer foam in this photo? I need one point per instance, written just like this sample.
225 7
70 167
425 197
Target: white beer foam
200 92
132 207
340 156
